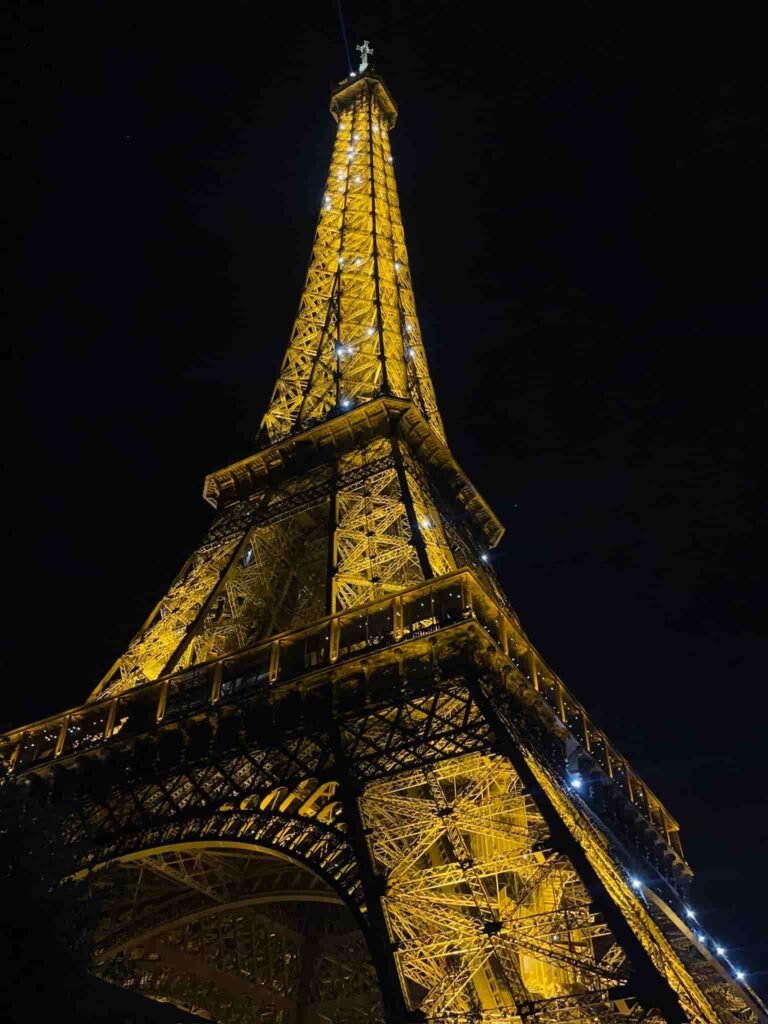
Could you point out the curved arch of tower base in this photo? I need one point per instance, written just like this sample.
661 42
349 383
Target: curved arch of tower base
232 933
394 858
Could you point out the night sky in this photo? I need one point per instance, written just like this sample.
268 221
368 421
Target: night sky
581 191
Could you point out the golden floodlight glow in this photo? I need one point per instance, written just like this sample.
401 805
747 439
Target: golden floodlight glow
331 778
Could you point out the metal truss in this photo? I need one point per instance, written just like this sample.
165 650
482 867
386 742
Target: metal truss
426 503
234 935
705 992
373 551
356 335
709 976
485 917
153 646
276 582
387 533
422 728
367 528
243 583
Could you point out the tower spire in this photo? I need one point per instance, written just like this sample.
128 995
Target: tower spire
357 336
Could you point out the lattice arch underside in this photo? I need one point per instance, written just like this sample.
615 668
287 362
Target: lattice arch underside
233 933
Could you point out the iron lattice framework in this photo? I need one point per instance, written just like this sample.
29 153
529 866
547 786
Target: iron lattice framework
335 779
357 335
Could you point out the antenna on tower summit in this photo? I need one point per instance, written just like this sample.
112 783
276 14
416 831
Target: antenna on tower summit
365 50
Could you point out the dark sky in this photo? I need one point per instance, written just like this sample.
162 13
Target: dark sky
581 192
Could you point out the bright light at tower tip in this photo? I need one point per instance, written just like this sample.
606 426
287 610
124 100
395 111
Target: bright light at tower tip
635 883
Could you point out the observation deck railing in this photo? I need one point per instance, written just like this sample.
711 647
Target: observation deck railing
431 607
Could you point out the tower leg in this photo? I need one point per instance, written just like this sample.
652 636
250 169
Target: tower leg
646 982
395 1010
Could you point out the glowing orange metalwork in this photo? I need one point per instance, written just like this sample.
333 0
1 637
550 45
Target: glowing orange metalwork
345 734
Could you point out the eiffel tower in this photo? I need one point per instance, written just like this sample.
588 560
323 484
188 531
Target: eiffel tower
331 778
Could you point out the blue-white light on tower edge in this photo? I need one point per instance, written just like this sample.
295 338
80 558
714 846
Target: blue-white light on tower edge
707 940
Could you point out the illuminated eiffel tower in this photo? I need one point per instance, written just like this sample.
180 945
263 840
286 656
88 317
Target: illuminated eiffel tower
331 779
